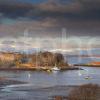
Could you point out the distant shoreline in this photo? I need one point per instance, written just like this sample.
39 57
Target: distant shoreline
37 69
87 65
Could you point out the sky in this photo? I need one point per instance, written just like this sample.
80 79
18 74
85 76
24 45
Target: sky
70 23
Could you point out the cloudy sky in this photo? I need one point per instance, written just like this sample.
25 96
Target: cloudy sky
59 24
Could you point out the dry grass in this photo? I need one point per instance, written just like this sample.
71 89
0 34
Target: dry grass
58 98
85 92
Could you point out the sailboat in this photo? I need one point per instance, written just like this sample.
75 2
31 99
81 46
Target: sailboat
87 77
55 68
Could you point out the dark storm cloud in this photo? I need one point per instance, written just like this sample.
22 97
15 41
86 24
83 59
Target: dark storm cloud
80 17
14 10
77 9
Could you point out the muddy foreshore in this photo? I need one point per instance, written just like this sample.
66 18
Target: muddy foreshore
4 81
16 90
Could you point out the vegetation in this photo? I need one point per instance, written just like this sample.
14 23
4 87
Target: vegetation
85 92
6 64
49 59
41 59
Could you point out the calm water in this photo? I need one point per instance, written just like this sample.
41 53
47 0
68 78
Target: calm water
40 79
57 78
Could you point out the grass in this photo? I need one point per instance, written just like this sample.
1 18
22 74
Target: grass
85 92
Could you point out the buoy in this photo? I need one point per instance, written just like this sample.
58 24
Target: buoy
87 77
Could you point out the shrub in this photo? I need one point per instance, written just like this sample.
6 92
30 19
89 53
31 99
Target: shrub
85 92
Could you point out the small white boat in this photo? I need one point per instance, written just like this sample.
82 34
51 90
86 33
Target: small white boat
55 68
87 77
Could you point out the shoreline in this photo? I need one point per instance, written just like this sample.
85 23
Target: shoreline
38 69
87 65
